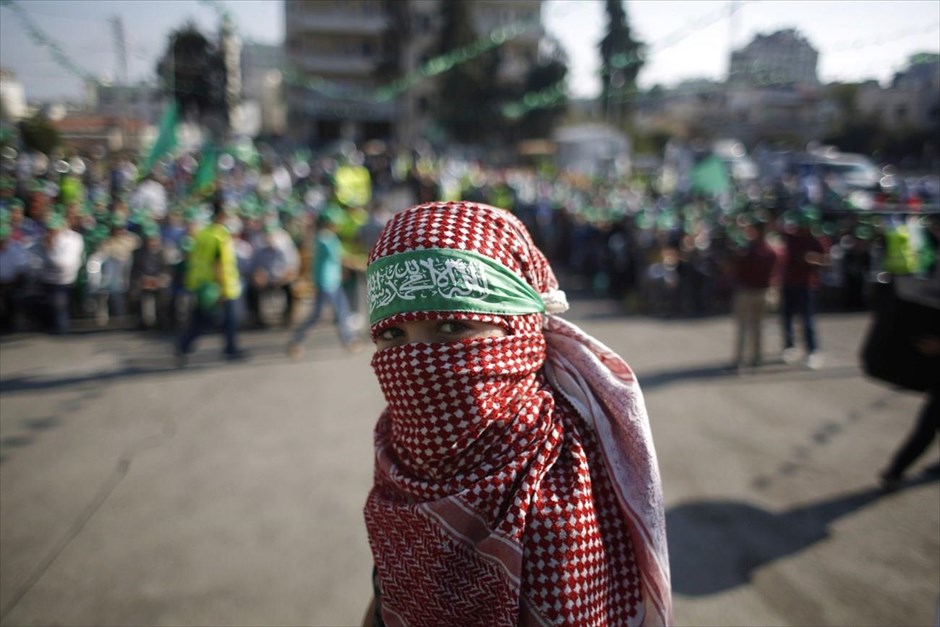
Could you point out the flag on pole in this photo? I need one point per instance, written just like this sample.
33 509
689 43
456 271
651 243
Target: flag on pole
165 141
204 179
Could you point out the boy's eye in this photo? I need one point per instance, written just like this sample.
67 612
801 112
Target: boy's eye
390 334
452 326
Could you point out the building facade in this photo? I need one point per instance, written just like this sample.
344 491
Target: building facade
772 93
139 102
912 101
773 90
344 57
783 58
339 52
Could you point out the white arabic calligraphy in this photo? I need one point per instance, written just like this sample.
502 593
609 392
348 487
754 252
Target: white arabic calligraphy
426 278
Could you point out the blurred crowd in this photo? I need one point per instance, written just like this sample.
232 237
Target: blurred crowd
103 237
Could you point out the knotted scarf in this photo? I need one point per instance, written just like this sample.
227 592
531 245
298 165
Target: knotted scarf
515 476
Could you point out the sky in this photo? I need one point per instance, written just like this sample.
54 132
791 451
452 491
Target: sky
856 39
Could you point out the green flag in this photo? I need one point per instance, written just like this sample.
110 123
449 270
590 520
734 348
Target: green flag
204 179
710 176
166 139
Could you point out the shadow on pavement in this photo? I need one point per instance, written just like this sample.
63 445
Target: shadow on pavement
774 370
153 362
716 546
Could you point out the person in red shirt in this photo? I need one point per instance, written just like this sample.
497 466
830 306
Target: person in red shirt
753 275
804 255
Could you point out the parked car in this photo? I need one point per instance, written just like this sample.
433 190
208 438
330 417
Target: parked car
850 171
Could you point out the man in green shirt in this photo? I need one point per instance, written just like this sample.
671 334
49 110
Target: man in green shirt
328 265
212 278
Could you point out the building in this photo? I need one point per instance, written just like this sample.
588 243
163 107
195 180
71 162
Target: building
339 52
912 101
139 102
87 132
783 58
592 149
692 108
345 56
12 98
773 91
519 53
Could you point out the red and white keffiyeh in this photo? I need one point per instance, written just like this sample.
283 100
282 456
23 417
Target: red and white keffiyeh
515 477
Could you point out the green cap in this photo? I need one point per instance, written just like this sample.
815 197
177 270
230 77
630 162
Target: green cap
151 229
55 221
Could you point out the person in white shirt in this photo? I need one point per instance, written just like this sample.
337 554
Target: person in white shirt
61 251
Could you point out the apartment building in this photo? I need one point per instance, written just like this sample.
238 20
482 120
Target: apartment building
341 53
911 101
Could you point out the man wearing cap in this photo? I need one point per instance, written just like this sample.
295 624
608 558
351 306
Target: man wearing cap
212 277
60 253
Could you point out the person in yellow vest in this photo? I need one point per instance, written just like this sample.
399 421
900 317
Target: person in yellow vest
900 256
212 278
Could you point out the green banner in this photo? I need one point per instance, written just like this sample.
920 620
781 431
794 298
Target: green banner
204 179
165 141
443 279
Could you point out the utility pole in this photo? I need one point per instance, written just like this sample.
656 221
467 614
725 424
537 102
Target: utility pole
733 7
120 45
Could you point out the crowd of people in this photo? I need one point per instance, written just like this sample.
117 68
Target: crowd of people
100 237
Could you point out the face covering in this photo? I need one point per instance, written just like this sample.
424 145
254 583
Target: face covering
450 405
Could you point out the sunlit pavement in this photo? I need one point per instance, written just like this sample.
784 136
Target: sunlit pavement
231 493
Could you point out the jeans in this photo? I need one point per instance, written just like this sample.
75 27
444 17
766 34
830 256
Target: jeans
203 319
339 303
799 301
58 298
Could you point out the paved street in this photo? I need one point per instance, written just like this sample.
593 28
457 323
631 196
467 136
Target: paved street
231 494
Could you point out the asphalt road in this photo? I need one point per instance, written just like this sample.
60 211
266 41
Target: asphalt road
133 493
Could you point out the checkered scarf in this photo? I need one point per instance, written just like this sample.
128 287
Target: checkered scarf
515 476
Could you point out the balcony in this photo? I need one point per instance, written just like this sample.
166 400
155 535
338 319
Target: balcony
335 64
318 106
351 23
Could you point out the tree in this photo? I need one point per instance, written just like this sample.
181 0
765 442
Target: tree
622 57
38 133
468 108
547 78
193 73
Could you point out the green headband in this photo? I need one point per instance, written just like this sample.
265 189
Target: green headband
443 279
